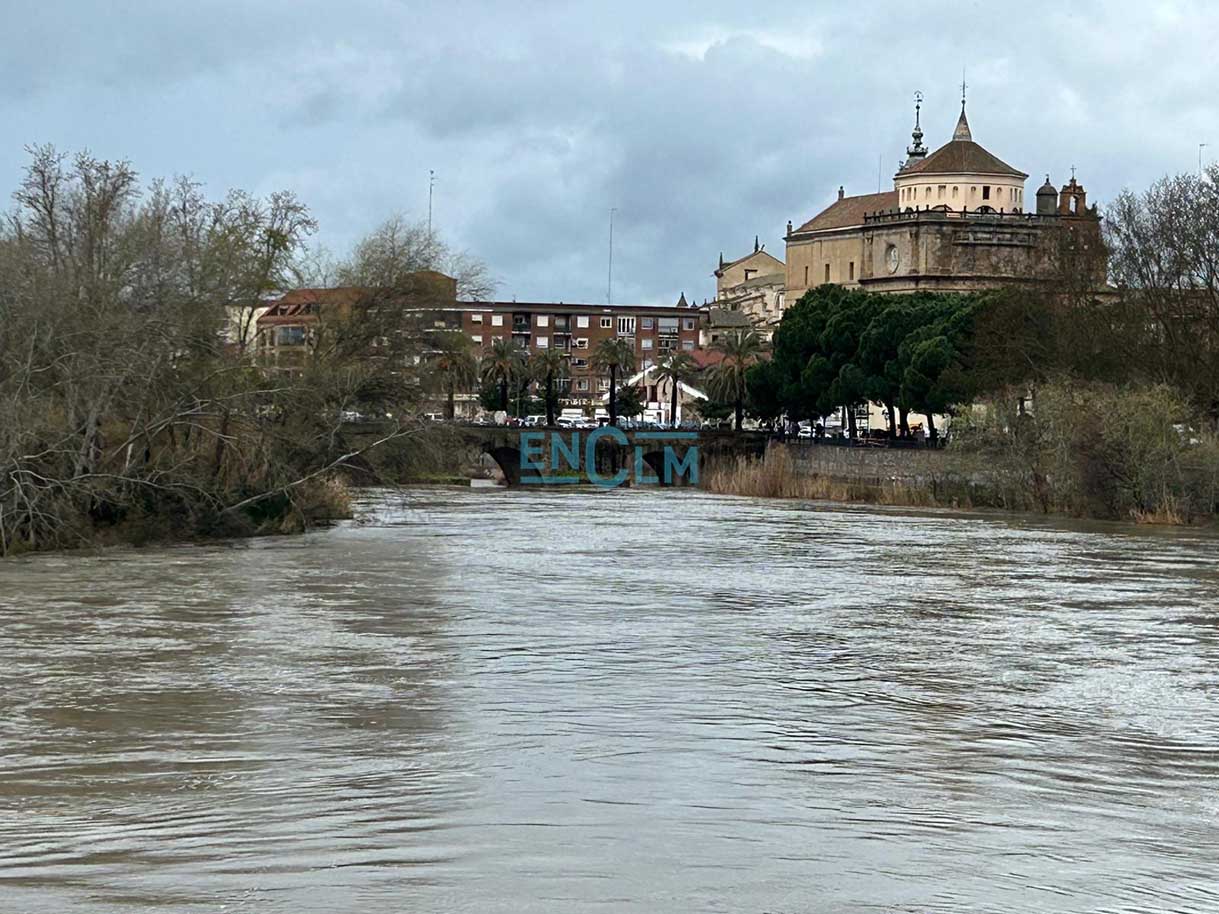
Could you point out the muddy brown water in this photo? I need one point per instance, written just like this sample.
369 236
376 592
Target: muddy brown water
637 701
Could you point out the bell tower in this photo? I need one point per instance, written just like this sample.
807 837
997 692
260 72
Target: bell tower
1072 199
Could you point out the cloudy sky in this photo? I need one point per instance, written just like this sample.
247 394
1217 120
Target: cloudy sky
703 123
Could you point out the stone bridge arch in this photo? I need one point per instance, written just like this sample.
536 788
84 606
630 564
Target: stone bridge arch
508 459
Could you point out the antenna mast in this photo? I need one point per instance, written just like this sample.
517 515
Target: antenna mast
431 182
609 281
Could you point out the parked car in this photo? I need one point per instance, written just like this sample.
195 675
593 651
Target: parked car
532 421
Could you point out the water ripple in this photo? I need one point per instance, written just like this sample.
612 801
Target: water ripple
624 701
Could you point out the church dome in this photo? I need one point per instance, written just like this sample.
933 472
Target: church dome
960 176
1047 189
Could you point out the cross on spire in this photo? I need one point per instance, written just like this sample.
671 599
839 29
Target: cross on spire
1072 172
963 88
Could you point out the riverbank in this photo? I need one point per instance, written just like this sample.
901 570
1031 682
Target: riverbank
950 478
221 481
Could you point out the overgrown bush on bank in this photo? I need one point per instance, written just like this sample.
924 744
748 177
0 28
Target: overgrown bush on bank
1097 450
133 403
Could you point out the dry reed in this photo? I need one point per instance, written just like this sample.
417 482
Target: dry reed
776 475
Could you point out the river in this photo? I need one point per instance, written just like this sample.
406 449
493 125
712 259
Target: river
637 701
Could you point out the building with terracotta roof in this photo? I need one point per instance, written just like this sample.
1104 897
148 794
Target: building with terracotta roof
955 220
291 325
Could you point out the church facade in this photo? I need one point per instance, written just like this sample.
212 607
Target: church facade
754 285
956 220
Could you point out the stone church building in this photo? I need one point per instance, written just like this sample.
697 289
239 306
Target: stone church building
753 285
955 220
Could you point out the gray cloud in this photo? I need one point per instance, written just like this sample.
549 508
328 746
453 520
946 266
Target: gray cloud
702 127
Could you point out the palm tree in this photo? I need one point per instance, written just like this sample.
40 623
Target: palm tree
676 368
617 356
548 366
503 366
455 367
740 349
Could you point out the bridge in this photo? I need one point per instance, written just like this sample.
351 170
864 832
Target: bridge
607 455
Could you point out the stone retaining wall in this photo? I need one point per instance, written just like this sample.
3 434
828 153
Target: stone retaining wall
868 464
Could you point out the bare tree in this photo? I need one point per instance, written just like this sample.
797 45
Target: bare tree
396 249
1164 261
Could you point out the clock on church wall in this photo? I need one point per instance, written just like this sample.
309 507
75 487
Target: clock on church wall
891 258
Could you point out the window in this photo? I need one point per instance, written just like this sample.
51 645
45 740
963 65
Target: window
543 320
579 363
688 323
985 191
687 345
806 276
648 323
851 270
477 338
940 191
497 320
290 336
646 342
543 342
603 383
954 193
476 318
582 384
667 326
582 321
927 192
827 266
626 326
749 274
607 323
581 342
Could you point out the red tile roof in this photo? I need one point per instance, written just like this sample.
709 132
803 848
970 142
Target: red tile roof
298 302
849 211
962 157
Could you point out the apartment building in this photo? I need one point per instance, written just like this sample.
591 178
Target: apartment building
292 322
577 329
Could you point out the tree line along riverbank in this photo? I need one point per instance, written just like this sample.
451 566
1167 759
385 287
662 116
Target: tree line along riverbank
1091 452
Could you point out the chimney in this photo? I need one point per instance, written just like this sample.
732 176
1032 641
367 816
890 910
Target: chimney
840 192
